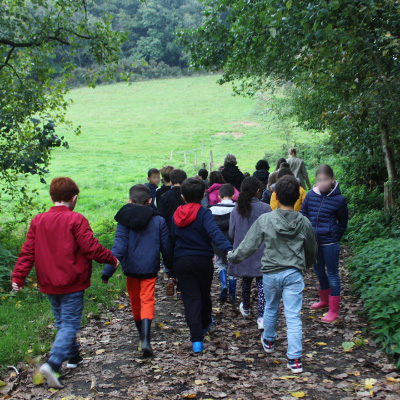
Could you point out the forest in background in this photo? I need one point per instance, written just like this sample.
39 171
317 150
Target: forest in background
150 50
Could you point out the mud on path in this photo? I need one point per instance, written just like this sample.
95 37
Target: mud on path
234 365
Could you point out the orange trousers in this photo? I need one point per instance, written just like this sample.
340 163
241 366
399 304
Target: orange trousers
141 293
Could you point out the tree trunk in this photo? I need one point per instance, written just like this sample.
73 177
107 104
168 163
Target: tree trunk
389 199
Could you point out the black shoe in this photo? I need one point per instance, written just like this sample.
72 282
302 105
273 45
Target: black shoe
146 330
295 365
74 362
139 328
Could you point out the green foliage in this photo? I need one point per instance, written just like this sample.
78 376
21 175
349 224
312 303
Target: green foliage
7 261
151 50
32 102
340 57
375 273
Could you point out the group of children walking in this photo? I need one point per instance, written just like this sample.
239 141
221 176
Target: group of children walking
268 230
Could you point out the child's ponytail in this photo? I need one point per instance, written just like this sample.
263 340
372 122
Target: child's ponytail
251 187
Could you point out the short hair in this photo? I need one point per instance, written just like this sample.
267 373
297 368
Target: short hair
280 161
262 164
152 171
292 151
246 174
226 190
283 172
216 177
166 173
140 194
326 170
284 165
230 159
178 176
193 190
203 173
63 189
288 190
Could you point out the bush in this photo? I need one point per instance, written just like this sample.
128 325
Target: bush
7 261
375 272
365 227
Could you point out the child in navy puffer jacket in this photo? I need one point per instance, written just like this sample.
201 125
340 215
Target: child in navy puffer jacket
141 235
326 208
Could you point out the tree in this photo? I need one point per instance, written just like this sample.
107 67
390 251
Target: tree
341 57
32 101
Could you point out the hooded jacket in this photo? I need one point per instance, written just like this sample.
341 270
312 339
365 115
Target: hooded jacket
194 230
168 203
141 235
233 175
262 175
213 193
61 244
328 214
289 242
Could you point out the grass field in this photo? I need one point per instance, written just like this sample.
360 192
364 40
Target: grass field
127 129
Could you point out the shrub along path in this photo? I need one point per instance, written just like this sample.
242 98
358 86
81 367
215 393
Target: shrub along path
234 365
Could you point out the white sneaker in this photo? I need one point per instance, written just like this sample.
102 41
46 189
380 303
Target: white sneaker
260 323
52 377
245 313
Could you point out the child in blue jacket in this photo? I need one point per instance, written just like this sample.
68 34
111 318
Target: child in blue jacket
326 208
194 230
141 235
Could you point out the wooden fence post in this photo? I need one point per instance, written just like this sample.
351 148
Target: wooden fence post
211 161
172 152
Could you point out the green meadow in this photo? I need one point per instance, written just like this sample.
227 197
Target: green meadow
127 129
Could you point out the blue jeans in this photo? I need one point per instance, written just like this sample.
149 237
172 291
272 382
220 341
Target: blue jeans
67 309
328 259
221 265
287 285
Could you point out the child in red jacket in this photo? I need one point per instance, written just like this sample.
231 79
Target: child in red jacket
61 244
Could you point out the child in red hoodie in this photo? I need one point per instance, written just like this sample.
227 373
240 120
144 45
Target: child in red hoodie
61 244
194 229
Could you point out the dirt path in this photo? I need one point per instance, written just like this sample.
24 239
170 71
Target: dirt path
234 365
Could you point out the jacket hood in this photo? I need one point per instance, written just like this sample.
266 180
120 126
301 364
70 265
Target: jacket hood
214 186
186 214
334 192
287 223
261 174
135 217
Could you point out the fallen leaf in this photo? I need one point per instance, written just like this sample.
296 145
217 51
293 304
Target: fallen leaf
391 379
37 379
198 382
120 306
298 394
52 390
237 334
369 383
189 395
287 377
2 383
348 346
100 351
321 344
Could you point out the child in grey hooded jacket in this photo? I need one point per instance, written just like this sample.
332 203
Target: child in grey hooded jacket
290 247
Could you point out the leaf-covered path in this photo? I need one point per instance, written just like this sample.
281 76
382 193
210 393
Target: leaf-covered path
234 365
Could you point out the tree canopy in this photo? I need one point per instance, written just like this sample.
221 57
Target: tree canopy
341 57
31 101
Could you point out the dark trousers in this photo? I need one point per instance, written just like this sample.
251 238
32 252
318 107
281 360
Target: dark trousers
195 275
